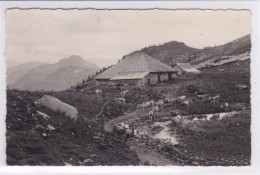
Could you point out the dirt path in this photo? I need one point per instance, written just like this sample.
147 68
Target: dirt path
165 133
149 155
144 154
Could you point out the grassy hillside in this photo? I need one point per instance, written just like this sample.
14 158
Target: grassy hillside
69 143
233 48
220 80
31 140
224 142
173 52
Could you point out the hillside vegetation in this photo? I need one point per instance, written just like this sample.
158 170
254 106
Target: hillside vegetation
81 143
171 52
224 142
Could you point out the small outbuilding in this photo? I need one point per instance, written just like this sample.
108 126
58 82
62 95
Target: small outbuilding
138 69
185 68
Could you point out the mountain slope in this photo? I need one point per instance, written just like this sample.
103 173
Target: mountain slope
173 52
58 76
233 48
16 72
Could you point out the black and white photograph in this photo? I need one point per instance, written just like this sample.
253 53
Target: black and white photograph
128 87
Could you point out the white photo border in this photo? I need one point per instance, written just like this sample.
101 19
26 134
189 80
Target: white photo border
253 6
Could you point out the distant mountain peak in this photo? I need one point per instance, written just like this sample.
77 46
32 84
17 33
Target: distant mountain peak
74 59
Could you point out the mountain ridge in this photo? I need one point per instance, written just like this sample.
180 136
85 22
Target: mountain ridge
173 52
58 76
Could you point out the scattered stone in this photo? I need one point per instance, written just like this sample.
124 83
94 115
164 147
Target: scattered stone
93 155
88 161
45 116
67 164
51 128
195 163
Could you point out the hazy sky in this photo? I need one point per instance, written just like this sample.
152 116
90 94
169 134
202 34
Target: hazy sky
103 37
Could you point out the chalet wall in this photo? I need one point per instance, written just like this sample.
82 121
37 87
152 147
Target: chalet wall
174 75
164 77
153 77
128 82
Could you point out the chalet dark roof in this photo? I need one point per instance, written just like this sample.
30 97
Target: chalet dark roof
135 62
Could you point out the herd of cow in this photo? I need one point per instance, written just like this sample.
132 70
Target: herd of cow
151 108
